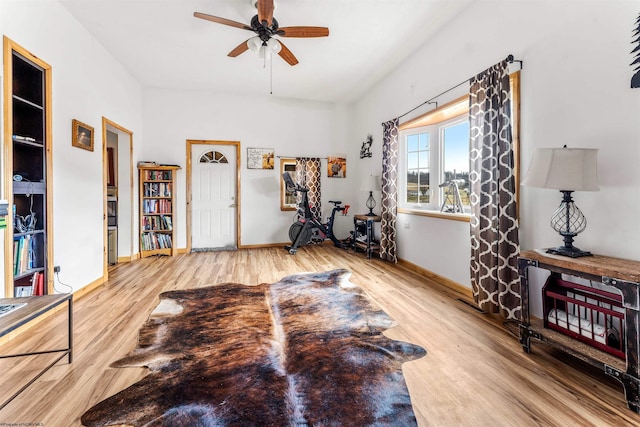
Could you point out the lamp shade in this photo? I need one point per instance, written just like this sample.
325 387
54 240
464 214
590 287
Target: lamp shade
370 183
565 169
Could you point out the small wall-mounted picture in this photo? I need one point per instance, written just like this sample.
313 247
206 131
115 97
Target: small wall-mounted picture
82 135
365 151
337 166
260 158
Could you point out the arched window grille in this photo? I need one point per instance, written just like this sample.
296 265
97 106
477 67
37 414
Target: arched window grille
213 157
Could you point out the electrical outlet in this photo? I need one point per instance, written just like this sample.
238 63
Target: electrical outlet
56 269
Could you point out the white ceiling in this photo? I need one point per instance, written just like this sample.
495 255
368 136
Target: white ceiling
162 45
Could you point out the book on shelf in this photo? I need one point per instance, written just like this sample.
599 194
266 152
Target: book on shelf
22 291
39 290
24 254
156 206
152 241
36 288
157 189
157 175
167 222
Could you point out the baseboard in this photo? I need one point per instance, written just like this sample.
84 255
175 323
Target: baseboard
89 288
264 245
447 283
130 258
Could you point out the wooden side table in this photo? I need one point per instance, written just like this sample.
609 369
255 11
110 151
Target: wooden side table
365 241
623 275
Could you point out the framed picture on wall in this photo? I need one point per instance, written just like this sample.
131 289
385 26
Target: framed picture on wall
260 158
81 135
337 166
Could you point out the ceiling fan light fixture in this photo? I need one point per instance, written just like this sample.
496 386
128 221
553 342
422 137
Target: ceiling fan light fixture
274 45
254 44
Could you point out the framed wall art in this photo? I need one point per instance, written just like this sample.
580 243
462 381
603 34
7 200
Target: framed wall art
337 166
260 158
81 135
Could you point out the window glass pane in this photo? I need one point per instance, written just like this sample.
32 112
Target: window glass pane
412 160
412 186
412 143
456 164
423 161
423 189
424 141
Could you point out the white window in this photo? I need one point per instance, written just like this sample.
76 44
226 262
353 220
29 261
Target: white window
434 167
433 163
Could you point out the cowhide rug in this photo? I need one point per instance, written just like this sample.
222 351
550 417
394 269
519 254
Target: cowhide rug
307 350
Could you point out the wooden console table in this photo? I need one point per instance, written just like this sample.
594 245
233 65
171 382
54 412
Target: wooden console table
621 274
35 307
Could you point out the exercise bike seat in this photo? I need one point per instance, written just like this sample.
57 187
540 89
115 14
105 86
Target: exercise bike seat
335 202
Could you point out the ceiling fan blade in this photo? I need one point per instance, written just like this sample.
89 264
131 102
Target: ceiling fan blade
303 31
265 12
222 21
286 54
241 48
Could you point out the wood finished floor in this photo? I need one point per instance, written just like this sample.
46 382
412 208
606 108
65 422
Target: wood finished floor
475 372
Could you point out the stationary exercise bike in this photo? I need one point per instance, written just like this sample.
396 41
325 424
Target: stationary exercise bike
308 229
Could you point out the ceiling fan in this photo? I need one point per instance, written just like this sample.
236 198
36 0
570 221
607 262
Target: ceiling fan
266 27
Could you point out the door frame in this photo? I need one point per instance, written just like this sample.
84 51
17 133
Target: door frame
190 144
108 123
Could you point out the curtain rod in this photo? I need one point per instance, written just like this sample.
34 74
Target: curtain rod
509 59
301 157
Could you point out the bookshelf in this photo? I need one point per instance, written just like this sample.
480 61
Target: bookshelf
27 165
157 213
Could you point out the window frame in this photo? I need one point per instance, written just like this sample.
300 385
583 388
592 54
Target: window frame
285 165
435 166
456 108
435 120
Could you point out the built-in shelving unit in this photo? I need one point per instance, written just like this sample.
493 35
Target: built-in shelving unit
27 164
157 215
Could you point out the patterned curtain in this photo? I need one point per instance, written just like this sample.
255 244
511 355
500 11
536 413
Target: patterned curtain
494 222
308 172
389 190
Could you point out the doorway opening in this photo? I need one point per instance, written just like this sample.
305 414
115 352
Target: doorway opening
117 163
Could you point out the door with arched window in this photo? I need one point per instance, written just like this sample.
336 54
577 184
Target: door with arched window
214 203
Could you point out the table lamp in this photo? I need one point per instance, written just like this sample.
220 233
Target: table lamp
370 184
567 170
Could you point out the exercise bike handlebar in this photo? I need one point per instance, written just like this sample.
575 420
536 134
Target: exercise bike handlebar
288 181
286 176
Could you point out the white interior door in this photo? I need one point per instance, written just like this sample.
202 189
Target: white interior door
214 197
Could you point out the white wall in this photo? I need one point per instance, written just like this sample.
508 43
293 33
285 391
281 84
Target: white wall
87 84
575 91
290 127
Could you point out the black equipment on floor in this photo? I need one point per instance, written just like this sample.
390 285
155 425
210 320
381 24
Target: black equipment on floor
308 229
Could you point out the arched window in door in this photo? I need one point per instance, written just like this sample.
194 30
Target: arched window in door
213 157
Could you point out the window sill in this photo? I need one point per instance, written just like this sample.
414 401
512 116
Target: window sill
437 214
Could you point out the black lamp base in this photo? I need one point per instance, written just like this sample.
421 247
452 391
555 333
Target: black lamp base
371 203
570 251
